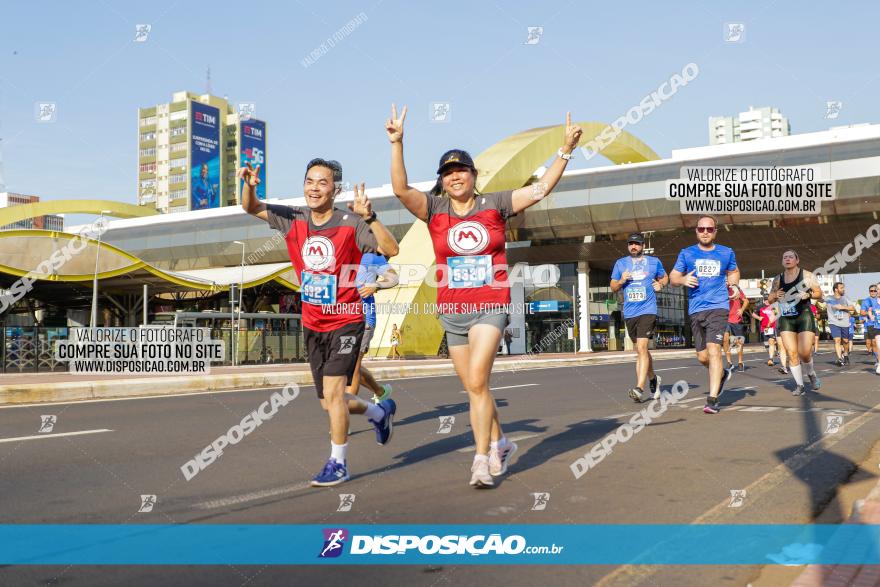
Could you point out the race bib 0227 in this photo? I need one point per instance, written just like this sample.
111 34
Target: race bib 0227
708 268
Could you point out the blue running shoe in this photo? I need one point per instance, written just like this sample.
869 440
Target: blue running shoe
385 426
333 473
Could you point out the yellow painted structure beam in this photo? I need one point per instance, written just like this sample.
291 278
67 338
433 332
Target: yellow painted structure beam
13 214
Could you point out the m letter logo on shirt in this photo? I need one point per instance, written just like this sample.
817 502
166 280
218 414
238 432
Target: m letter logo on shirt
468 238
318 253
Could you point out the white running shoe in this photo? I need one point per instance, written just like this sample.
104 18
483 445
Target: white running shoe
500 458
655 386
877 369
481 477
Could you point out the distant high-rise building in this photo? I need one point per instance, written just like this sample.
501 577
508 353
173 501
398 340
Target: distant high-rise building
47 222
754 124
189 151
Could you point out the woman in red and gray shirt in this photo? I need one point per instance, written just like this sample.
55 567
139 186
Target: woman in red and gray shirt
467 230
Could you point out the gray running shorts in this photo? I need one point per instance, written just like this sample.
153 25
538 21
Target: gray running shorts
458 325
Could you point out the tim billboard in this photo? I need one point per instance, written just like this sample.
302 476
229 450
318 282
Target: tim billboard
253 151
205 156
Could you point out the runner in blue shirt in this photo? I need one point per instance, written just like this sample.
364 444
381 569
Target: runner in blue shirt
707 269
373 274
852 332
640 276
870 312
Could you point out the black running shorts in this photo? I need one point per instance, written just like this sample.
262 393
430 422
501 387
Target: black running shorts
333 353
641 326
708 326
803 322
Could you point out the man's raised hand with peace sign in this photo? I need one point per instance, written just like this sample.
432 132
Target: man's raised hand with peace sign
394 125
249 201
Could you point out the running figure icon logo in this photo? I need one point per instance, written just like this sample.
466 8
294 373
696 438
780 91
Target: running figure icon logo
446 423
247 110
141 32
346 344
47 423
541 500
318 253
737 498
147 503
346 500
334 541
535 34
440 112
833 108
833 424
46 111
734 32
468 238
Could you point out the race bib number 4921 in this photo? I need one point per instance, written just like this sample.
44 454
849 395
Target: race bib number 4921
317 289
708 268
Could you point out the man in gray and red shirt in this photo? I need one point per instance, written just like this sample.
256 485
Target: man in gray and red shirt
324 242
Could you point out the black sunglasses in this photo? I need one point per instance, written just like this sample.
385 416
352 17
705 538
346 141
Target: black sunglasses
709 229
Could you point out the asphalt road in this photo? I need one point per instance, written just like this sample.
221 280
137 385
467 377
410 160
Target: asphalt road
680 469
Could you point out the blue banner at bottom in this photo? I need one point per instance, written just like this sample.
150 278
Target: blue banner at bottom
655 544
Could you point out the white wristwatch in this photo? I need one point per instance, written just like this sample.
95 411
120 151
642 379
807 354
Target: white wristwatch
559 153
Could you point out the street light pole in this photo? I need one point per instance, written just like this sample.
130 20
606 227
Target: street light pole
240 295
93 320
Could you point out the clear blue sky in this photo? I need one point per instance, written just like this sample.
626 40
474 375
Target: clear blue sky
596 59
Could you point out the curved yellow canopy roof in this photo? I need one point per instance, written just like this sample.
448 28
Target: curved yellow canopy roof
509 163
37 247
13 214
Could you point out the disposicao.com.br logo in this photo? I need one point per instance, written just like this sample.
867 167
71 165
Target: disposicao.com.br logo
430 544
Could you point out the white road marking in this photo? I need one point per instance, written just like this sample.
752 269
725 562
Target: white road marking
56 435
253 496
507 387
128 399
516 438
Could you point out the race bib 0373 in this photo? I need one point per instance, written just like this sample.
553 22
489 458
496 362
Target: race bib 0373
636 293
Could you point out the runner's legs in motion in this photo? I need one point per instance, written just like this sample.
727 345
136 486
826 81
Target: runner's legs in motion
644 363
473 363
712 360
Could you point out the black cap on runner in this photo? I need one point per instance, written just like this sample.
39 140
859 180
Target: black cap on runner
636 237
455 157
